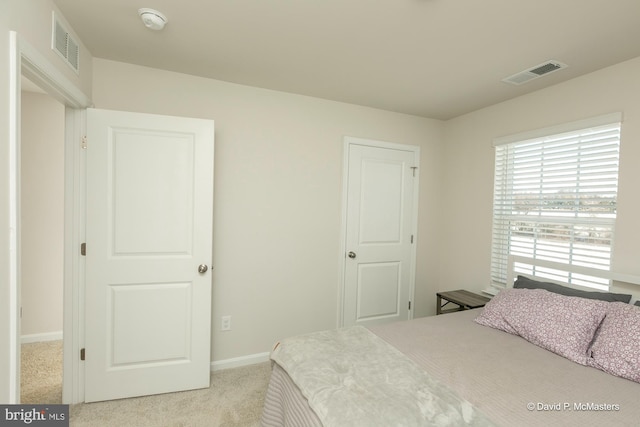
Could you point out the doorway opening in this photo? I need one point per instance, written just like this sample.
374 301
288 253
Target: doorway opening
26 61
42 244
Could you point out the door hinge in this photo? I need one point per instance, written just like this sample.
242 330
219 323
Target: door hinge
82 353
409 305
412 238
83 249
83 142
413 170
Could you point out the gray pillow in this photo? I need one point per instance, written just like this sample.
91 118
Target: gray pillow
525 282
638 303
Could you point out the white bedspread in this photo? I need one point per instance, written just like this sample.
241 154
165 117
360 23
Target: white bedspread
351 377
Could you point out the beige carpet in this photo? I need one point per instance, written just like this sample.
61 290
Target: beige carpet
235 398
41 372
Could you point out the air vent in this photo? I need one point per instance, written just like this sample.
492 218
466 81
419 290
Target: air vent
63 43
534 72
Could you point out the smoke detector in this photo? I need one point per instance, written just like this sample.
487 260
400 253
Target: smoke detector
152 19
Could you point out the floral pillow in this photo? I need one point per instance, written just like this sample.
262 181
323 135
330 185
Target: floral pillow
562 324
616 348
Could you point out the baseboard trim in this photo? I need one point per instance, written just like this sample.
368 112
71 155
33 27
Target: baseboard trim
235 362
46 336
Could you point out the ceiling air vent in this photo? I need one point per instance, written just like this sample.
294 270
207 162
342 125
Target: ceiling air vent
534 72
64 43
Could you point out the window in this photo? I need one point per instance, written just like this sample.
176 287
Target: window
555 197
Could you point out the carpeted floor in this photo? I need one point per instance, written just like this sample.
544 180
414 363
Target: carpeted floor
41 372
235 397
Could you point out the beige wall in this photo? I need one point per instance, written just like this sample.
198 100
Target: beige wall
42 210
32 21
278 183
468 164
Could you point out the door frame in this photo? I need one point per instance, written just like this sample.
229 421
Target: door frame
348 141
25 60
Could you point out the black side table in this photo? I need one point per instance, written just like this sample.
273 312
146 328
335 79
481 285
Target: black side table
464 299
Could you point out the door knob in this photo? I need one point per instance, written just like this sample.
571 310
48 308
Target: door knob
202 268
351 255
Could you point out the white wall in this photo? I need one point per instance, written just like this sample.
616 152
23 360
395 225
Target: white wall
32 20
469 158
278 183
42 215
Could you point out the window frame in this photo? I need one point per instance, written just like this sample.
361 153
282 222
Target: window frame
504 199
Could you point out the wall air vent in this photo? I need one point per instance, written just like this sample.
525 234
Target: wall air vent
63 42
534 72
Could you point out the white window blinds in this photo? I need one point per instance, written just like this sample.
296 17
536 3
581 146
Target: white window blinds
555 199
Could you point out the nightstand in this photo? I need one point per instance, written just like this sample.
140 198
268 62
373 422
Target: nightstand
464 299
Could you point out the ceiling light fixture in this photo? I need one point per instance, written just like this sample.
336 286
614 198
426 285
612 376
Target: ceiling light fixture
152 19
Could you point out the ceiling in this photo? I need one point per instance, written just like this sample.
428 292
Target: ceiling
431 58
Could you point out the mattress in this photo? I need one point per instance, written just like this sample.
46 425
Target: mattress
511 381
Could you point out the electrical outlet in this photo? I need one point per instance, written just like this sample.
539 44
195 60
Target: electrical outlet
226 323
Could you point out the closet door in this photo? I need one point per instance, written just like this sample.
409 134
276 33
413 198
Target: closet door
379 260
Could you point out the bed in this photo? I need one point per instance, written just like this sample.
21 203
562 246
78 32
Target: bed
452 370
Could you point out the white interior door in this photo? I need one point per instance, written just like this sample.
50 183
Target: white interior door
149 228
381 207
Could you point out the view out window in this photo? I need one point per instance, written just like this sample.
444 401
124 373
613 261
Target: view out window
555 197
